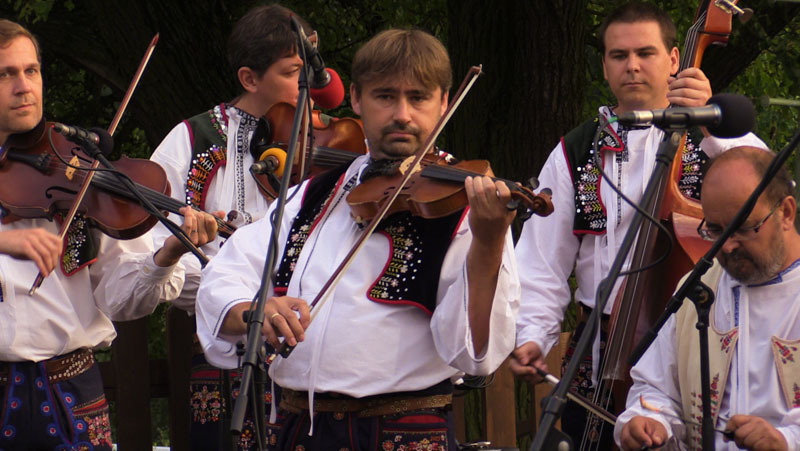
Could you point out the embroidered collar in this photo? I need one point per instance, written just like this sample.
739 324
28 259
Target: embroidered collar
246 117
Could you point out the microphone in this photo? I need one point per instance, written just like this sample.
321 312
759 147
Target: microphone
331 95
97 136
327 89
271 161
725 116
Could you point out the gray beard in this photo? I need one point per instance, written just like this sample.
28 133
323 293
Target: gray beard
758 271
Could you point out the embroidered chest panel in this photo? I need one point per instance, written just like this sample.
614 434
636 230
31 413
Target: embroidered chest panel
302 226
787 362
79 247
209 131
590 212
721 346
405 257
410 275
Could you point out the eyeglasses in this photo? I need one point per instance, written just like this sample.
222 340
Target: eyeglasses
743 234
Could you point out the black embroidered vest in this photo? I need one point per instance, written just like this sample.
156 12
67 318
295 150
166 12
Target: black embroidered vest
209 135
418 246
590 213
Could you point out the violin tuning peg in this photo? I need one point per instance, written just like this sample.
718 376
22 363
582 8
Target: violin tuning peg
512 205
523 213
532 183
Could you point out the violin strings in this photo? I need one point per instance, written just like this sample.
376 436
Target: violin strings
104 180
332 156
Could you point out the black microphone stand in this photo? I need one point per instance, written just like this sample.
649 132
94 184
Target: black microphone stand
255 317
553 405
703 296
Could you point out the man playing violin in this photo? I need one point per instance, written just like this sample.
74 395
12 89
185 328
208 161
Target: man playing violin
50 385
424 301
755 325
207 159
640 61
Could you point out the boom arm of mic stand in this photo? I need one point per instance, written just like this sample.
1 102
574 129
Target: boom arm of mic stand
554 408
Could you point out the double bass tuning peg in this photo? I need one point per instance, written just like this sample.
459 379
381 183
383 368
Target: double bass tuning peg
745 15
729 6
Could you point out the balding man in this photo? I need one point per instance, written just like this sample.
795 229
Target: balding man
755 325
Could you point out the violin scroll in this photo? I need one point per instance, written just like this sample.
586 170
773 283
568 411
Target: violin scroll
527 203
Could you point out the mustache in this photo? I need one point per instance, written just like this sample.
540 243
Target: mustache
398 127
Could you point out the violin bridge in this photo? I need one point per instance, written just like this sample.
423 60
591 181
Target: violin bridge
406 165
70 171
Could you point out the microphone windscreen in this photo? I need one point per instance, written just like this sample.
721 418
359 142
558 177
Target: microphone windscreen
738 115
332 94
106 144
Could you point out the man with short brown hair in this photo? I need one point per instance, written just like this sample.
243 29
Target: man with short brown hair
50 385
425 300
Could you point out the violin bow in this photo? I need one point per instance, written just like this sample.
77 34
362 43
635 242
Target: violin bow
324 293
90 173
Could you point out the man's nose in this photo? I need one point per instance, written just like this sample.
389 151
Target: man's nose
730 245
22 85
402 111
633 63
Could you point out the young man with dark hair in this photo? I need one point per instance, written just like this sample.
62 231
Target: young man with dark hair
425 300
640 64
207 159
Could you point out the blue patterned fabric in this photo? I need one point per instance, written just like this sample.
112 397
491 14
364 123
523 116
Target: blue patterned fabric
38 413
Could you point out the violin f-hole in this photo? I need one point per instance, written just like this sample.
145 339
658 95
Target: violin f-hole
48 194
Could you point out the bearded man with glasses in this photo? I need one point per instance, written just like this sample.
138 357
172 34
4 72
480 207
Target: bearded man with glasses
755 325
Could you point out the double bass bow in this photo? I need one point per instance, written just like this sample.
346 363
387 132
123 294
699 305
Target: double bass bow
644 293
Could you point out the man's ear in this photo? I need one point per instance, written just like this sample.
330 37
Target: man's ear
675 60
355 99
445 101
789 210
247 78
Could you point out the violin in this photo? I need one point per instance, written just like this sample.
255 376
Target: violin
436 190
334 141
37 184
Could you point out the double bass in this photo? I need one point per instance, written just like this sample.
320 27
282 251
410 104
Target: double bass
644 294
